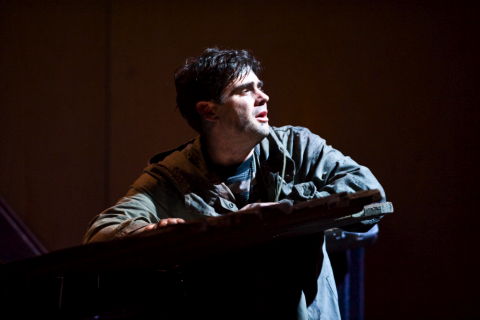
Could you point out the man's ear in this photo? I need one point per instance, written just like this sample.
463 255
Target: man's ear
207 110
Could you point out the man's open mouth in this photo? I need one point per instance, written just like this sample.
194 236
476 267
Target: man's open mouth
262 116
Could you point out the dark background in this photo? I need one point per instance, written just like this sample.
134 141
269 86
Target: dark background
87 96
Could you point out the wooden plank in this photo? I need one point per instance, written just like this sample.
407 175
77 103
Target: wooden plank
185 243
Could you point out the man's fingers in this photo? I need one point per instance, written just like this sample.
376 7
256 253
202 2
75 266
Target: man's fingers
258 204
174 220
162 223
165 222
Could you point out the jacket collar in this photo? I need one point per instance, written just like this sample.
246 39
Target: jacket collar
187 166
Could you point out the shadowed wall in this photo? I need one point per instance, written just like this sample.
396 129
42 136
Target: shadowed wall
87 96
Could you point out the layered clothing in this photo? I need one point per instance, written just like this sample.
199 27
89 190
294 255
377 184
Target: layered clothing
290 164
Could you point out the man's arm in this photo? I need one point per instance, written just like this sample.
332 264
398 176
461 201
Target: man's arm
325 171
335 173
150 203
130 214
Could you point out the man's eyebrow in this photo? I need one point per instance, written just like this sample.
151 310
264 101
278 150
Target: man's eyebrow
247 85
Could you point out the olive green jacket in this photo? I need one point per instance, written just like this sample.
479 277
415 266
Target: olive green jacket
291 163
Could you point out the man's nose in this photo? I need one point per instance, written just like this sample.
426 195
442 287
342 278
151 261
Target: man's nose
262 98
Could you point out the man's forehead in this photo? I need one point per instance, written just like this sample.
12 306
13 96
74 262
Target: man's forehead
247 77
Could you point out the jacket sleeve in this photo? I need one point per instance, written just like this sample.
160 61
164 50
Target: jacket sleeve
149 199
335 173
322 170
129 214
329 170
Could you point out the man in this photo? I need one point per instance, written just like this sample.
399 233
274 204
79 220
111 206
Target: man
238 161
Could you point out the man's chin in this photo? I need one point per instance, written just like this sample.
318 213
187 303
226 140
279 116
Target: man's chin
257 131
263 129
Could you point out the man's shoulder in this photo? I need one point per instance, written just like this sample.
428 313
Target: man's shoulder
164 154
298 133
183 166
293 139
289 129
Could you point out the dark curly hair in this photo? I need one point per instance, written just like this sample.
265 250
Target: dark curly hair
204 78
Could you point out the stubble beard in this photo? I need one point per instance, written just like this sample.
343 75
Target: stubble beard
259 131
252 130
264 129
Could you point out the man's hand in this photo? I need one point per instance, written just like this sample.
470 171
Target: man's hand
164 222
159 224
257 205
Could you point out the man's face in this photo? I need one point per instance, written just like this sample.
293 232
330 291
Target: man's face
243 110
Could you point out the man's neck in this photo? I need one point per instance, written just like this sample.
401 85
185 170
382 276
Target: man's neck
227 153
